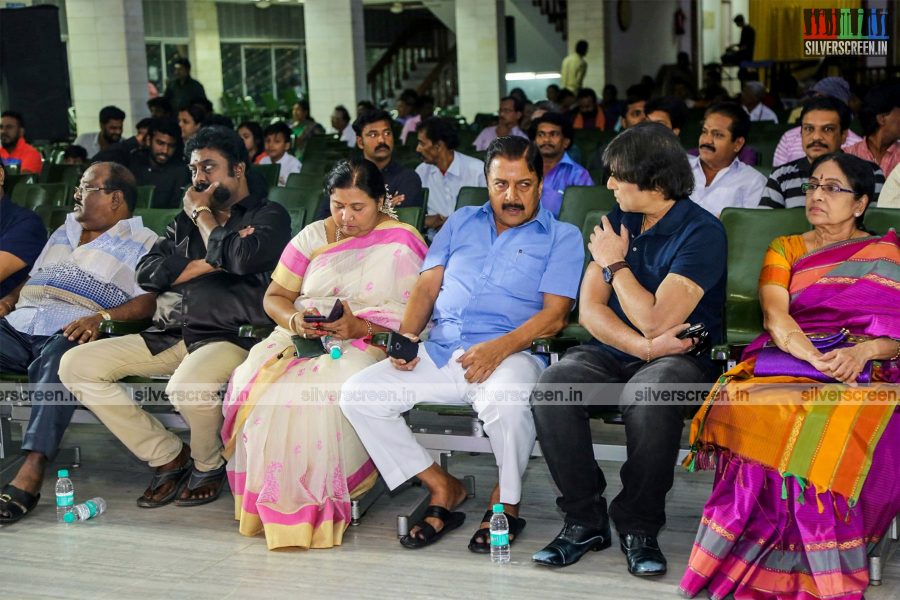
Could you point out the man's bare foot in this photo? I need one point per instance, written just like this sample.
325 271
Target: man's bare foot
446 491
30 477
165 489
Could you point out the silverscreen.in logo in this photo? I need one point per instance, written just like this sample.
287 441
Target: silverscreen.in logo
845 31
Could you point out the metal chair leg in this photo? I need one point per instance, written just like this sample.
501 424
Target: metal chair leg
414 515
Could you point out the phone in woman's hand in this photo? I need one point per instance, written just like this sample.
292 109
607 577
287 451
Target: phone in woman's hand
337 311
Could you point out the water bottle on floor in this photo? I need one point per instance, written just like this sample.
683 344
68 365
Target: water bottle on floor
332 346
65 495
86 510
499 536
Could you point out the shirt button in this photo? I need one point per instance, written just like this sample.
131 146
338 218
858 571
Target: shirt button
634 249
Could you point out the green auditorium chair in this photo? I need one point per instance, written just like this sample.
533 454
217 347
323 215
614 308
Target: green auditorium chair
412 215
157 219
471 196
145 196
292 198
579 200
269 172
879 220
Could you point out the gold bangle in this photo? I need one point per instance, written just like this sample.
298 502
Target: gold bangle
897 353
291 321
787 337
370 331
105 315
649 348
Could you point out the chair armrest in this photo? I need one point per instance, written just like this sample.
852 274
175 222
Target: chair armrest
257 332
113 327
552 345
727 352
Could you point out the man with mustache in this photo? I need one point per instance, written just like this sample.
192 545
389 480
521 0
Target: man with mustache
159 164
210 272
14 150
552 134
720 178
824 124
112 120
496 277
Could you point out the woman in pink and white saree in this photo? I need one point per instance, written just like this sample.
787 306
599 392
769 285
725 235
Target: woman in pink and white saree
294 462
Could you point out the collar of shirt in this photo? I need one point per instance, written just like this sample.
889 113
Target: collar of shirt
74 228
565 160
543 218
669 224
698 168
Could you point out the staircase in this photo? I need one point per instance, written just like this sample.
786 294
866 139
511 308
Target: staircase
556 12
423 58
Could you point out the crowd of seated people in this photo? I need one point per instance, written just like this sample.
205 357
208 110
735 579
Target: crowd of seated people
301 431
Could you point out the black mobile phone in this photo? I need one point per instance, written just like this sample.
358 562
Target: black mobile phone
337 311
400 346
693 331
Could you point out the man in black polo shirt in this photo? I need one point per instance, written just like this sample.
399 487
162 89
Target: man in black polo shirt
375 137
824 124
210 272
161 165
658 266
184 90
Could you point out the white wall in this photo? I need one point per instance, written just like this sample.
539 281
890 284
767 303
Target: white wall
649 42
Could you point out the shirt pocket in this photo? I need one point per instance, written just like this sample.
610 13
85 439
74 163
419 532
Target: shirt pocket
522 275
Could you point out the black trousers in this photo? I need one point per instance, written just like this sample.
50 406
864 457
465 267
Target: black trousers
653 434
39 356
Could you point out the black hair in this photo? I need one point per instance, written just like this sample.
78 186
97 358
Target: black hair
160 102
304 104
144 123
553 118
75 151
122 180
366 105
197 112
426 99
610 88
217 119
553 86
257 133
831 104
650 156
859 173
183 62
672 106
276 128
882 98
409 96
12 114
518 103
587 93
739 20
563 94
166 126
223 140
636 93
438 129
519 93
340 108
356 173
740 120
513 147
581 47
111 113
371 116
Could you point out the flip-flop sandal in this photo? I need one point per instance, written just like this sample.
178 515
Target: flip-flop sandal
199 479
516 525
15 504
179 476
426 534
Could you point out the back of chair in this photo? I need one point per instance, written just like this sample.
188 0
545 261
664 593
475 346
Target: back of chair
298 219
29 195
579 200
145 196
471 196
307 198
157 219
269 172
750 231
879 220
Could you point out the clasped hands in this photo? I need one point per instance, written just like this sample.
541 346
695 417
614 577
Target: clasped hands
842 364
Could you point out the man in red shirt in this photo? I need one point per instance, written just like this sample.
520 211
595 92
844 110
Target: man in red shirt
14 150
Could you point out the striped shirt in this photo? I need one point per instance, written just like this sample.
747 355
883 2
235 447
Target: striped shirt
783 188
69 281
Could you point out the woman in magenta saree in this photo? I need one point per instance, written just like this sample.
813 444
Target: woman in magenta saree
806 469
294 462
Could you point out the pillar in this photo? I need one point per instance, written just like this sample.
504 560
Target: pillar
204 50
480 55
107 60
585 22
335 55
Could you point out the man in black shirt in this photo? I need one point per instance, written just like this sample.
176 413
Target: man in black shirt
184 90
375 137
210 272
160 165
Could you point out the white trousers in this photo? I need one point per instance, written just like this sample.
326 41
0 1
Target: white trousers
375 399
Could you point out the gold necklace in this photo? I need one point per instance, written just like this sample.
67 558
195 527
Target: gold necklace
337 233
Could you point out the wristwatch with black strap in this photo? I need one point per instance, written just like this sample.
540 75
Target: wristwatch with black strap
610 271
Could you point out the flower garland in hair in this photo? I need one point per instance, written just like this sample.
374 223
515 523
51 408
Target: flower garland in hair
388 206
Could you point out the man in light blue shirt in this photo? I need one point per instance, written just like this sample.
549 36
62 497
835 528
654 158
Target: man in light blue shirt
496 277
444 171
553 136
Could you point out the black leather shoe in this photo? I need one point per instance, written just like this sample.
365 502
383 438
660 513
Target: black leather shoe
572 543
644 557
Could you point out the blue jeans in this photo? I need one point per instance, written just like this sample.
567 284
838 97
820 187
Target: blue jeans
39 356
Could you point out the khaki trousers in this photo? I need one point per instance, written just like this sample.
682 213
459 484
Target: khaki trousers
92 371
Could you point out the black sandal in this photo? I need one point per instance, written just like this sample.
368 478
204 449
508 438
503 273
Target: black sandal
179 476
516 525
199 479
15 504
427 534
